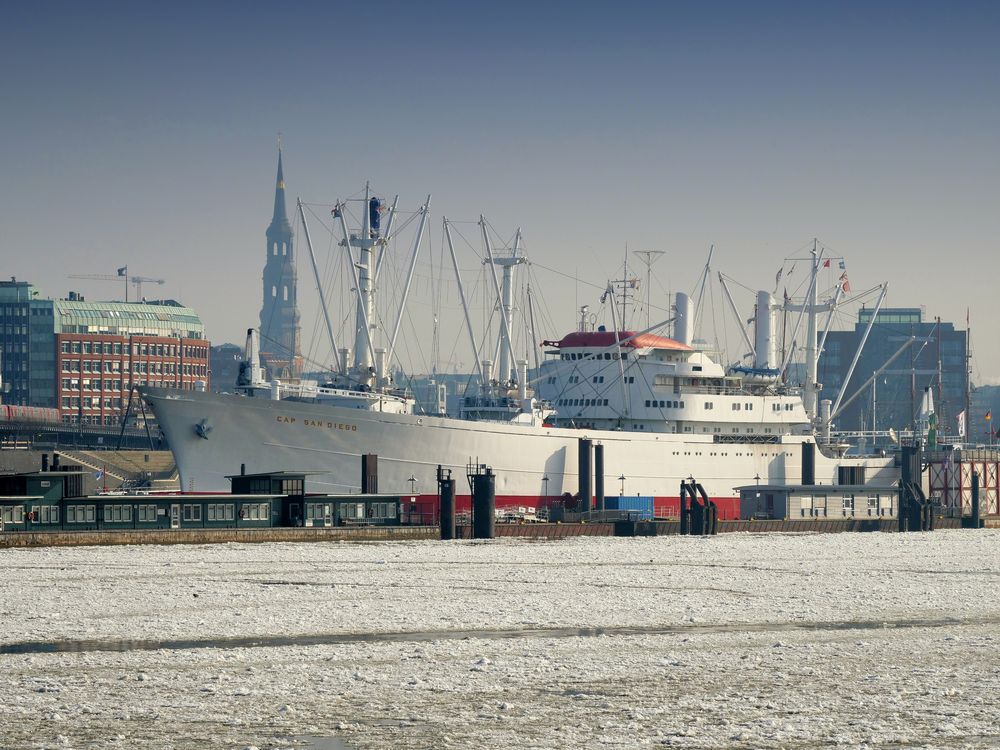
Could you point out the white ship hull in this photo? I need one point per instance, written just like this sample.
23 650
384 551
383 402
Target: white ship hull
327 441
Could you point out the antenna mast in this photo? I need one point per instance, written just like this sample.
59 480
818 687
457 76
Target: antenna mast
649 257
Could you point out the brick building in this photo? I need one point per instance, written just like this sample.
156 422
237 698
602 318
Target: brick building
84 358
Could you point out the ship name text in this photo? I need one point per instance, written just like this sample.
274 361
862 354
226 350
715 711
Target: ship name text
317 423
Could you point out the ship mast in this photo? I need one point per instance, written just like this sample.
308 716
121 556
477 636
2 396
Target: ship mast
506 296
363 359
810 307
361 273
810 389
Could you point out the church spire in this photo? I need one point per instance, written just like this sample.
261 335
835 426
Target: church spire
280 218
279 314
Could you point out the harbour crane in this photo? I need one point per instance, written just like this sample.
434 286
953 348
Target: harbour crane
136 281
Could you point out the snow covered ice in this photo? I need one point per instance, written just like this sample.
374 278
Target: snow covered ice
737 641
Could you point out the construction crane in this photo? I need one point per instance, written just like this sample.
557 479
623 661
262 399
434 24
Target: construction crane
136 281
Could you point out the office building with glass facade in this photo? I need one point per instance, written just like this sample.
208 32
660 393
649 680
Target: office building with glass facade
937 359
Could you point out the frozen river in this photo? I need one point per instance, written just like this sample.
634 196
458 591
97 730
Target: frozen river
737 641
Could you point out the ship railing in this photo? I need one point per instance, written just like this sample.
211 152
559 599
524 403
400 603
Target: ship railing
737 438
706 390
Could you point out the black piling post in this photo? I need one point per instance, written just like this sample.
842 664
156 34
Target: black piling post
446 493
975 500
45 462
905 478
599 477
585 449
697 512
684 515
484 501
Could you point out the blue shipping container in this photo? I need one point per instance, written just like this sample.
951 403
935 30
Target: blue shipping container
641 507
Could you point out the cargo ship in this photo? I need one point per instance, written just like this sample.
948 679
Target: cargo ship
662 408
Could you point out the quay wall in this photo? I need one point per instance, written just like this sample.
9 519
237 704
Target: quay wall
218 536
540 531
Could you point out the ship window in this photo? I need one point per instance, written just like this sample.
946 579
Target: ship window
696 368
274 291
274 249
607 355
647 402
605 402
284 291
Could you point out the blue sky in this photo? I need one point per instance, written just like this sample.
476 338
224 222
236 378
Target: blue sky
146 135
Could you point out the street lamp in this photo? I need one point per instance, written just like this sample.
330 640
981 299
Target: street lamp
413 483
622 480
545 482
757 480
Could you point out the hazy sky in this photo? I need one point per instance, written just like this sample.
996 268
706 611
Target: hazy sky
142 134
